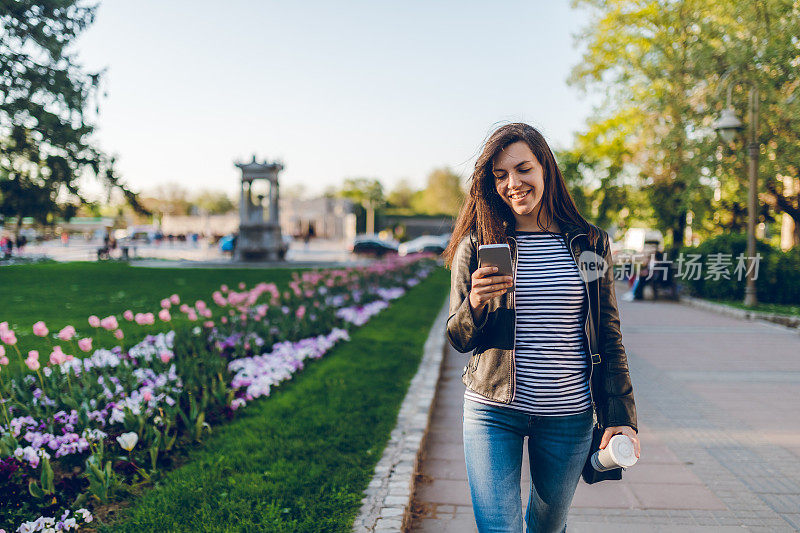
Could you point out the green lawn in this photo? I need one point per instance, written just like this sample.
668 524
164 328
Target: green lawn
67 293
781 309
300 459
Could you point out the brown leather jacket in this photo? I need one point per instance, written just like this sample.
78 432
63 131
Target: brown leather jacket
491 368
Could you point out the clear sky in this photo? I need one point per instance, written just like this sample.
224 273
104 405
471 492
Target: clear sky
377 88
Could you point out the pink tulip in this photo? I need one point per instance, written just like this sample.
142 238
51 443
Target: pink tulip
209 323
85 344
206 312
39 329
66 333
165 356
301 311
70 357
164 315
150 317
140 319
175 299
224 288
224 320
94 321
184 308
58 356
33 360
128 315
9 337
191 315
2 351
242 286
219 299
3 360
200 305
165 303
147 396
4 327
118 334
109 323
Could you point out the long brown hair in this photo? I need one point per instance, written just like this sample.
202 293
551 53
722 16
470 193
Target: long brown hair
485 212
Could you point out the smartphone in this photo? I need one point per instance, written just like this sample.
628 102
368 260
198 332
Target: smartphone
497 255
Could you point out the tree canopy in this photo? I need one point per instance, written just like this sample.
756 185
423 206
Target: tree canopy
664 66
46 101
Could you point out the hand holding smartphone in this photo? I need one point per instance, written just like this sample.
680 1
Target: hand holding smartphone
494 276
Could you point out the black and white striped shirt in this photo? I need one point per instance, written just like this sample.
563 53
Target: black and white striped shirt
550 359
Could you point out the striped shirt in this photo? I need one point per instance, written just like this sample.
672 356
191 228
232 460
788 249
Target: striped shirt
551 363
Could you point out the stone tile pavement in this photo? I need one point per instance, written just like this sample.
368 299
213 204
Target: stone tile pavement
717 400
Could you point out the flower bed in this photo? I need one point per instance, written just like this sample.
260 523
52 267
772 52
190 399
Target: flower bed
81 433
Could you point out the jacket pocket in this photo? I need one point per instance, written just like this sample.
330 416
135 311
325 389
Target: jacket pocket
472 364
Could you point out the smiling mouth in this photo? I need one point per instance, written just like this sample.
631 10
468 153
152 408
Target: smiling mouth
519 196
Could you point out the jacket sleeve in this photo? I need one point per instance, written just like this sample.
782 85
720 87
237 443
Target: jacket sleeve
462 330
620 409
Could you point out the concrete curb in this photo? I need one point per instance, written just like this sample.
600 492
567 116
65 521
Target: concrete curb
790 322
387 505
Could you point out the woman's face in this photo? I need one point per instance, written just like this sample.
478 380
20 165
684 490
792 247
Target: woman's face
519 180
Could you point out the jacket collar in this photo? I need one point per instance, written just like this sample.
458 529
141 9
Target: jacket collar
568 230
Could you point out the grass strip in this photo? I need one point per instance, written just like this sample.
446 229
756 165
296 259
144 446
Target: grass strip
780 309
301 459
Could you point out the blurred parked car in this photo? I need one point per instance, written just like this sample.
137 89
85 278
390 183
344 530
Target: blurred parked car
425 243
373 245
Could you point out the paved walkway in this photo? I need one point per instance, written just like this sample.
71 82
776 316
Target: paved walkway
718 401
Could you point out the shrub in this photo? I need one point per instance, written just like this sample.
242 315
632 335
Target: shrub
777 282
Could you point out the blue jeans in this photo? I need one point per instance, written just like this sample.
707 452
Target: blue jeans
557 450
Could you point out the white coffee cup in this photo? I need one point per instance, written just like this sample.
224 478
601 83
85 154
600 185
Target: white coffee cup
619 452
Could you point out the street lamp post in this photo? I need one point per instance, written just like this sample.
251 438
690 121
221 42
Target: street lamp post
728 125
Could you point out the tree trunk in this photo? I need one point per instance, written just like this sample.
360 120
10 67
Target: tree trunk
17 228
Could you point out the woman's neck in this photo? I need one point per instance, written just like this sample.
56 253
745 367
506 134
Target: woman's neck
532 225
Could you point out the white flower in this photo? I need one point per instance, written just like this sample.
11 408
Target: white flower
128 440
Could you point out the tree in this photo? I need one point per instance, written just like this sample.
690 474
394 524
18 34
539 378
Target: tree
213 202
367 193
661 65
641 54
401 196
171 198
443 194
45 97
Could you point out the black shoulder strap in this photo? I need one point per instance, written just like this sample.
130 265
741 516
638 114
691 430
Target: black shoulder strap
595 352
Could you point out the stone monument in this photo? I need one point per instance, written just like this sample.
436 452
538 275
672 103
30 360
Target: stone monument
259 221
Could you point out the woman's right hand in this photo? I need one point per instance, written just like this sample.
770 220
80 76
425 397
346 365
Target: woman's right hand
485 287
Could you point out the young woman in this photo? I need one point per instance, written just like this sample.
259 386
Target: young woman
547 355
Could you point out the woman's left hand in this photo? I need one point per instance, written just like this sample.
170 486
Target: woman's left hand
624 430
